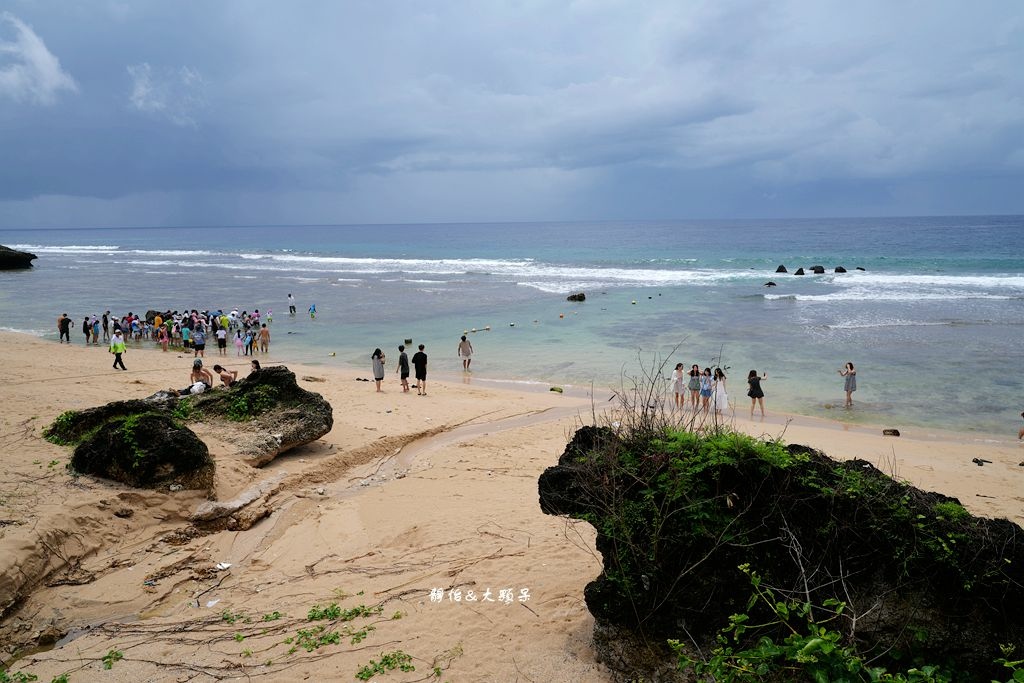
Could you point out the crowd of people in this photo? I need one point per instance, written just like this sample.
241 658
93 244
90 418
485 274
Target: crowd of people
190 330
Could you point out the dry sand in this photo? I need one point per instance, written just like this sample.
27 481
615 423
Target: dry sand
405 496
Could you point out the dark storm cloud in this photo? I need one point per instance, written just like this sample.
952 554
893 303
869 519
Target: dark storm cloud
240 112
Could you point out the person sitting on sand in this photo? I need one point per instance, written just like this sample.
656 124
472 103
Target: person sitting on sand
199 381
255 367
227 377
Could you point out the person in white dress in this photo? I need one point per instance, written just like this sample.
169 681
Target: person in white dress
679 385
721 397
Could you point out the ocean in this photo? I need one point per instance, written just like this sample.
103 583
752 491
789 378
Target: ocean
933 321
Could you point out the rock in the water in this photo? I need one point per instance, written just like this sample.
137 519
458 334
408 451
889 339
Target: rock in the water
770 284
890 432
781 269
799 271
840 269
578 296
818 270
12 259
858 268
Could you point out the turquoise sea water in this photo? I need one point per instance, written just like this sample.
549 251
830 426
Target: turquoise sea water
933 321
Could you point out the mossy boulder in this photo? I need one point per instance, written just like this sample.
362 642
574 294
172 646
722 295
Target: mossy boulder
135 444
268 413
678 514
148 442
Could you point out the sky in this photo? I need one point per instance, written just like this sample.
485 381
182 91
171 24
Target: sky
249 112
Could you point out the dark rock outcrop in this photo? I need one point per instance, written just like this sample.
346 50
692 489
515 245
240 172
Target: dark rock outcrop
12 259
818 270
799 271
858 268
769 284
781 269
144 442
146 450
134 442
674 525
840 269
579 296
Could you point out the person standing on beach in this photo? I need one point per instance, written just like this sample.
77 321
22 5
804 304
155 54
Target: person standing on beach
403 368
199 341
64 327
86 329
679 385
377 358
291 305
106 326
117 347
694 386
95 331
721 397
465 353
850 384
754 391
705 389
419 361
222 341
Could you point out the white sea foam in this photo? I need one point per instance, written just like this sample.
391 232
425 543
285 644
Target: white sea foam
891 295
855 325
67 249
33 332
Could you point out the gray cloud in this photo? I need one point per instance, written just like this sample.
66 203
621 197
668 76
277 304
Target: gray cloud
29 72
450 110
174 94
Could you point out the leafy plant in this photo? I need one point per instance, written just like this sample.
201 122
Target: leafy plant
17 677
111 657
183 409
231 617
389 661
247 406
316 637
58 430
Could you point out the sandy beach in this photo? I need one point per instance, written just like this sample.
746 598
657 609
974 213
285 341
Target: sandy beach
406 507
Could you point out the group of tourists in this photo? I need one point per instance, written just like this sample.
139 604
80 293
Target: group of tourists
705 389
419 362
190 330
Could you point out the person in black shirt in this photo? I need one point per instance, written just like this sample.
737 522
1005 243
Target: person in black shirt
419 361
403 368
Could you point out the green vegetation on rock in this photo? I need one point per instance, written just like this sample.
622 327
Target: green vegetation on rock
851 569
